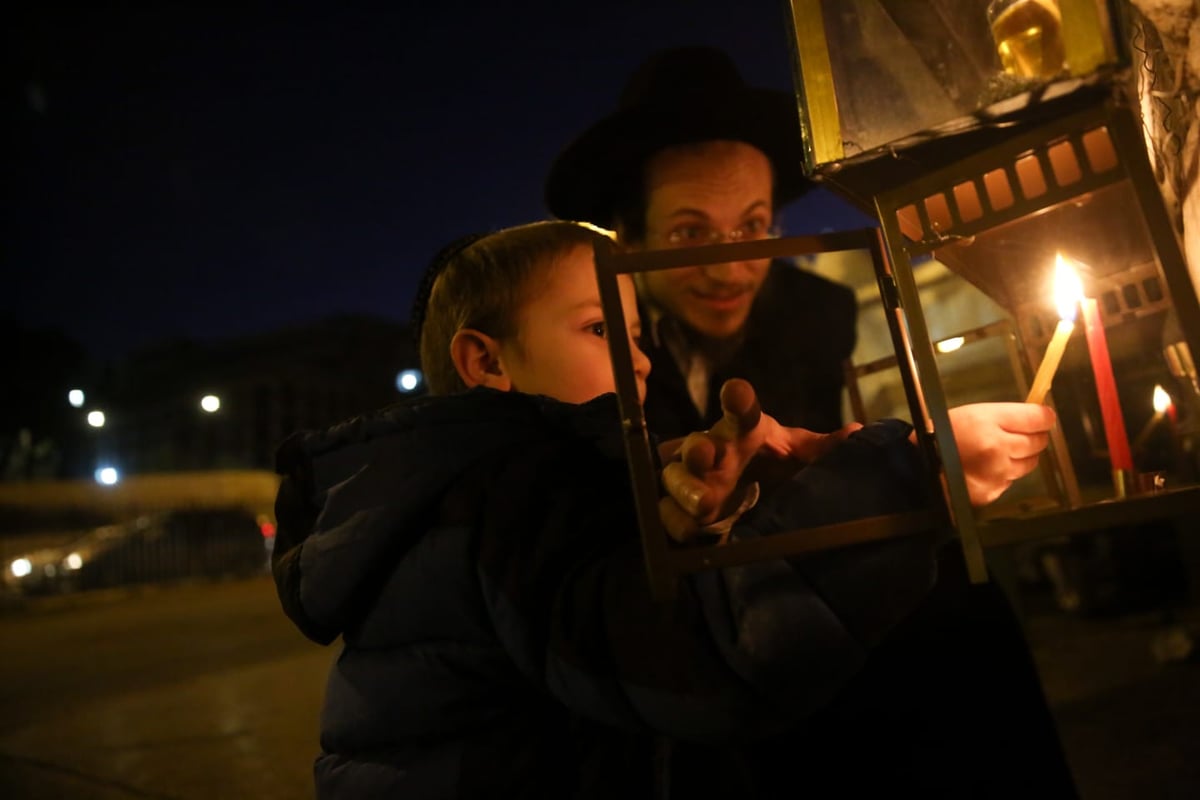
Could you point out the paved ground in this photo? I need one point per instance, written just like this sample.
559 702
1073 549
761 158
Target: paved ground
247 733
191 691
1131 725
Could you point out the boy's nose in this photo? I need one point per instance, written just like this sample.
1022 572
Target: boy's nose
641 363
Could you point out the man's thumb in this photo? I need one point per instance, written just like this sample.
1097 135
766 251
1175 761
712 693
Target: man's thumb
740 404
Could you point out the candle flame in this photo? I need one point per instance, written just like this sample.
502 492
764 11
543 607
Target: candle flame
1162 400
1068 290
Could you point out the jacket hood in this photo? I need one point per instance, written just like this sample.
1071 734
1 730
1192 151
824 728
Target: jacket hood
356 496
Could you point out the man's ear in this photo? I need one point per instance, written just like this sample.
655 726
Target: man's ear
476 357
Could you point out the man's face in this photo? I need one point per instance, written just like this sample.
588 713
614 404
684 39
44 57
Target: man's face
561 347
694 192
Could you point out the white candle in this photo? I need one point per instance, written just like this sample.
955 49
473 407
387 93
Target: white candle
1162 402
1067 291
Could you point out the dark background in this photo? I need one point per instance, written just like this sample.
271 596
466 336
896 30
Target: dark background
187 171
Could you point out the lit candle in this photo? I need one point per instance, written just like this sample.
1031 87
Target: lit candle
1160 395
1106 387
1162 402
1067 291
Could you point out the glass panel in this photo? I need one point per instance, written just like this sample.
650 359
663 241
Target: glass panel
901 68
874 386
1114 362
844 257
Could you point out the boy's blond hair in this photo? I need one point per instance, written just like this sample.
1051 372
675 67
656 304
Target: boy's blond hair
483 285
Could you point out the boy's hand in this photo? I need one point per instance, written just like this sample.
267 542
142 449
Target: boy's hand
706 481
999 443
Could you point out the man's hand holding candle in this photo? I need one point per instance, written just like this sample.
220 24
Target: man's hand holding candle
999 443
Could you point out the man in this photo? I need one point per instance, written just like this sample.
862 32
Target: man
695 156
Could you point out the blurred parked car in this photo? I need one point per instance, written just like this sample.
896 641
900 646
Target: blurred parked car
157 547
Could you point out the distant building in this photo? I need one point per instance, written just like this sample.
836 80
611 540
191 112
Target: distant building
41 434
260 389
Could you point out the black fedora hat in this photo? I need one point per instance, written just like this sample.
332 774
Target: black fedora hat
677 96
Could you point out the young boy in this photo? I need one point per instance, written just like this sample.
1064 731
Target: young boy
479 555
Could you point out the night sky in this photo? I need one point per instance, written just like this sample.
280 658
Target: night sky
185 171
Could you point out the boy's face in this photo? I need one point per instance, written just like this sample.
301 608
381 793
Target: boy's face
561 347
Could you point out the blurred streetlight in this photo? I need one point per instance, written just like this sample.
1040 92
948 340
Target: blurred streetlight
107 475
95 419
75 398
408 380
210 403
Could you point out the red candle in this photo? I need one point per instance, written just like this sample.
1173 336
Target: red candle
1106 387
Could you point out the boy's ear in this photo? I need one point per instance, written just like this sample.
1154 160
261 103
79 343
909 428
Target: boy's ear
476 357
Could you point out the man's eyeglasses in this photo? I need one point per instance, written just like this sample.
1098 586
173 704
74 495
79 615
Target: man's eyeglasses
696 234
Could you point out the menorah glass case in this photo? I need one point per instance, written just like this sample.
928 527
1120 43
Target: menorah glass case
1024 254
